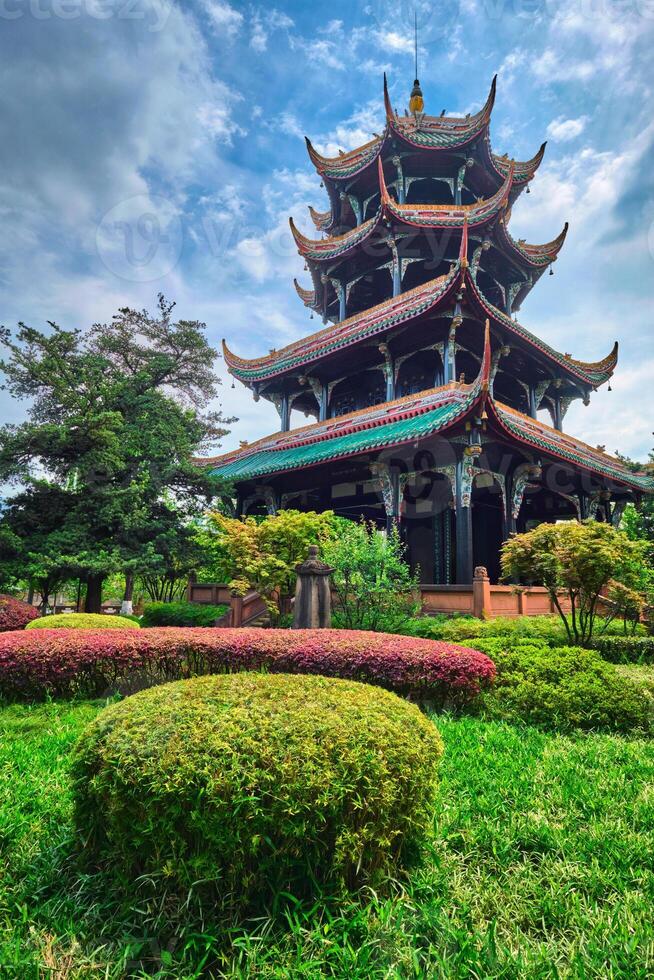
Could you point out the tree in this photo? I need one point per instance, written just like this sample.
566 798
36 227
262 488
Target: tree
105 460
578 560
262 554
374 588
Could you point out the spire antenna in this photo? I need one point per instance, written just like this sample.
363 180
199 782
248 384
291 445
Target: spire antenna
416 103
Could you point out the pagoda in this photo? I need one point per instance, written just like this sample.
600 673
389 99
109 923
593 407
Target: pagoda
434 408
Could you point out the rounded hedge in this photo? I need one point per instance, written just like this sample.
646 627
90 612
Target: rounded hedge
563 688
83 621
15 614
257 784
93 663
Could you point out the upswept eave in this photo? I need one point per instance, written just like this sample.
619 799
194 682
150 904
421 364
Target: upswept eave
347 164
536 256
321 219
445 215
415 417
402 420
378 319
336 246
524 171
544 438
428 132
593 374
439 132
308 296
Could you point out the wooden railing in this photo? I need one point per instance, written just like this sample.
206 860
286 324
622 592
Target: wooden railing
487 601
243 610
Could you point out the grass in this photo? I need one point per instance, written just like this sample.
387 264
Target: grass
542 868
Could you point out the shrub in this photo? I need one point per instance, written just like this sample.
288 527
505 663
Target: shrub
256 785
83 621
181 614
579 560
543 629
373 587
65 663
263 552
562 689
14 614
626 649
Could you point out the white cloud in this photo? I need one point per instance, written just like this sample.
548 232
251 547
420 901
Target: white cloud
223 18
395 42
353 132
265 23
561 130
333 27
216 117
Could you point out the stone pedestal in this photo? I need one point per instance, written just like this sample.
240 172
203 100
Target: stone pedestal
313 608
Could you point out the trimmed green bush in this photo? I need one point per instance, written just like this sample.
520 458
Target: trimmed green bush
254 784
542 630
82 621
626 649
562 688
181 614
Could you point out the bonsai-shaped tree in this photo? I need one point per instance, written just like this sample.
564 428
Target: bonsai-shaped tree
578 560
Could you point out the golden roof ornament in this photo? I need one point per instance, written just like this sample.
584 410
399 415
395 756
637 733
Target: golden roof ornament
416 102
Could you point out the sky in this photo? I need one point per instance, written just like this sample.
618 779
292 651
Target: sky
152 146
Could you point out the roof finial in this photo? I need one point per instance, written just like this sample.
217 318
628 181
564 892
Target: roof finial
416 102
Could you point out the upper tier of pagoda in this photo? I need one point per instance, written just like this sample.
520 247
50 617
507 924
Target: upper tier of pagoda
424 175
438 140
416 255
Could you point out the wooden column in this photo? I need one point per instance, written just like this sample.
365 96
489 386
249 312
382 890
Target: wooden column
463 528
285 413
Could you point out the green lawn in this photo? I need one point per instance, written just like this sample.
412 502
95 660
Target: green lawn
544 867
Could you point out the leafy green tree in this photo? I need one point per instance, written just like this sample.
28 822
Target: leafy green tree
579 560
373 586
262 554
105 460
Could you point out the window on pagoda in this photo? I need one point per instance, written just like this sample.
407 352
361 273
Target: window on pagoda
490 289
375 395
360 391
371 289
419 373
429 191
416 273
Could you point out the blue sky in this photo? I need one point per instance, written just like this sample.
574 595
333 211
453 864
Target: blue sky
155 146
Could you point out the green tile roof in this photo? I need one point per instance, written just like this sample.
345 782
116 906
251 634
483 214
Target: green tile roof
265 461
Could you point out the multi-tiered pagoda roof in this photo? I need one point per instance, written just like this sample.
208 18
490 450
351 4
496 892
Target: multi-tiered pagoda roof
418 279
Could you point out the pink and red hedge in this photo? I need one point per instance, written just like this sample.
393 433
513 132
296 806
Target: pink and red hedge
89 663
14 614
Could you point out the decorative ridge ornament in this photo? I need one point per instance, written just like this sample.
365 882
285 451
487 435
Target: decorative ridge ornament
416 102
